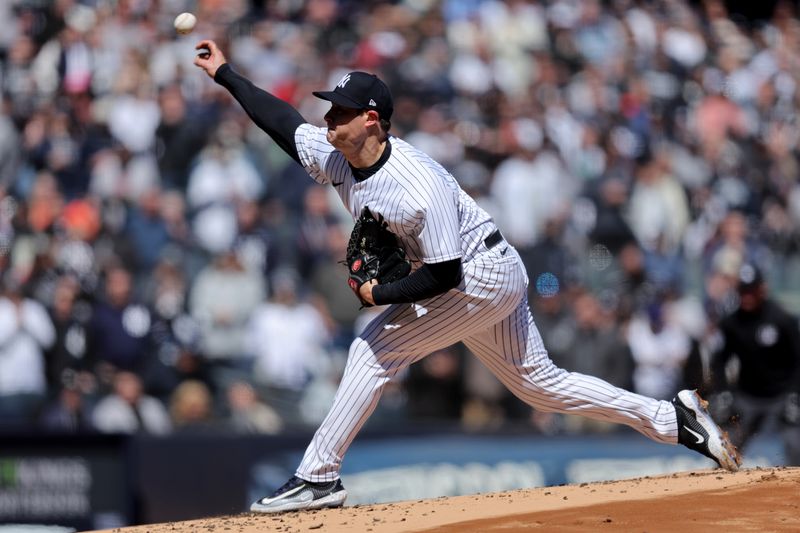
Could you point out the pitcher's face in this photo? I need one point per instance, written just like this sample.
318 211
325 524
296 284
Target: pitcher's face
345 125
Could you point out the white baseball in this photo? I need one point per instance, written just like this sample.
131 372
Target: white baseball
184 23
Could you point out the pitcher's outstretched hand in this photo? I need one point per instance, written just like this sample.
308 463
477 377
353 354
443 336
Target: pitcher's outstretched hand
210 57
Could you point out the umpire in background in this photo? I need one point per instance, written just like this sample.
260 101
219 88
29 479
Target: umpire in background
765 339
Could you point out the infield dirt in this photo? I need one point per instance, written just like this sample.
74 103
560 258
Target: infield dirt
759 499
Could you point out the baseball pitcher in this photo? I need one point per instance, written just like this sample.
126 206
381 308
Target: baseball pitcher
466 283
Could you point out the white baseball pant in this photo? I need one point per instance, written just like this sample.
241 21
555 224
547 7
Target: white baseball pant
489 312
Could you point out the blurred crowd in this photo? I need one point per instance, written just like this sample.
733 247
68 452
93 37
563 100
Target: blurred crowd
166 267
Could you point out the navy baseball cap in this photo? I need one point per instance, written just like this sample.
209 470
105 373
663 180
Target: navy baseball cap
361 90
750 277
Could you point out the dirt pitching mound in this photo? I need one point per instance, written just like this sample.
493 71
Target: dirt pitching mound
750 500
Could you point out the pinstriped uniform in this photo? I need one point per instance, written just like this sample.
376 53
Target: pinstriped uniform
436 221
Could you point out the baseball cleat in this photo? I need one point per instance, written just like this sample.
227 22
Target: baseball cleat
298 494
698 431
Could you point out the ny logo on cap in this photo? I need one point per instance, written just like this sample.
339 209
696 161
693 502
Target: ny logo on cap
343 81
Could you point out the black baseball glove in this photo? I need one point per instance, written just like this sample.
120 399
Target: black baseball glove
373 252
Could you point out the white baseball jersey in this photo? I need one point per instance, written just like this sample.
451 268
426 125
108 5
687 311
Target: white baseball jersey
425 207
437 221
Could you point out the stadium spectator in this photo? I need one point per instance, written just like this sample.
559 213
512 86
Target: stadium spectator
191 408
611 229
222 298
247 414
314 228
288 340
26 331
223 174
255 242
147 231
659 349
181 134
434 388
175 334
119 333
67 357
127 409
69 412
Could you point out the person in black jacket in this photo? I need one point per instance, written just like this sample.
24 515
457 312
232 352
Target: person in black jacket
765 339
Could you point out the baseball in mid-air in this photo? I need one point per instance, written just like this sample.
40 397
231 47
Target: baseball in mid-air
184 23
